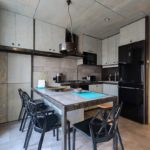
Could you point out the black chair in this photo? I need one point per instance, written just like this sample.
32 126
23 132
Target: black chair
25 98
42 122
101 128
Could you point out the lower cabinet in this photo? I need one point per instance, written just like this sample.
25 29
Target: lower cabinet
110 89
96 88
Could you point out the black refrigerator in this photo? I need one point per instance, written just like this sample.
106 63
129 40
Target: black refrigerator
132 81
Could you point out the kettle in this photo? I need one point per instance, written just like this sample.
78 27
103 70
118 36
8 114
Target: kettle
58 78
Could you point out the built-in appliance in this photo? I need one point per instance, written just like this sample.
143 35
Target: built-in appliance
89 58
58 78
91 78
132 81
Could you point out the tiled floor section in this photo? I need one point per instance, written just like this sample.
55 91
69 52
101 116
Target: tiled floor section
135 137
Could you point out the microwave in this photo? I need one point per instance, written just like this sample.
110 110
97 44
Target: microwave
89 58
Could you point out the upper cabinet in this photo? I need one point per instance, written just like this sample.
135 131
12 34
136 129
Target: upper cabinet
110 50
24 32
16 30
133 32
90 45
48 37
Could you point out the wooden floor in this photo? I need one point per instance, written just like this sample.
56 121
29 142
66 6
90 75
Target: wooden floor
135 137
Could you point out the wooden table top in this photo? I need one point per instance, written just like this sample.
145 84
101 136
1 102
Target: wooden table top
69 101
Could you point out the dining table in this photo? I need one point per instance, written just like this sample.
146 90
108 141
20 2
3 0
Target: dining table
68 100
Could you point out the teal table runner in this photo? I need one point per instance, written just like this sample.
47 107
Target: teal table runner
89 94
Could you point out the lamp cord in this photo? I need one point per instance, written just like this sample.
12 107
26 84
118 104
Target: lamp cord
70 24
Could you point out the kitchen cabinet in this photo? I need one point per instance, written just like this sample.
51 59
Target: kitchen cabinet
133 32
110 89
110 50
7 28
16 30
24 32
96 88
90 45
48 37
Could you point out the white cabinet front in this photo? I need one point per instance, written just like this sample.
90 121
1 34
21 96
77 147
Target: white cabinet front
16 30
7 28
133 32
96 88
43 36
24 32
110 89
48 37
110 50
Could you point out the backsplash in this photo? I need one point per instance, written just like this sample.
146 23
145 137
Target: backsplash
46 68
106 72
85 70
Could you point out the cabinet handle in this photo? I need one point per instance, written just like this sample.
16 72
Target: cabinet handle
53 50
130 41
18 44
13 43
50 49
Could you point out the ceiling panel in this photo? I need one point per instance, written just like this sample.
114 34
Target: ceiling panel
126 8
92 21
55 11
24 7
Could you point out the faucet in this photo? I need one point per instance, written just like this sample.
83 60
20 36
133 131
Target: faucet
109 77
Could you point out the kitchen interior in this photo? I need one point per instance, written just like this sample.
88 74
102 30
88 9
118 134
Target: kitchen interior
96 45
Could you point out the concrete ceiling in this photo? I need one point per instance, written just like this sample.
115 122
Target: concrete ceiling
88 15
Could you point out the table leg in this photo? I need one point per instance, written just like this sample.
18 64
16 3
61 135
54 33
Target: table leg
115 139
64 129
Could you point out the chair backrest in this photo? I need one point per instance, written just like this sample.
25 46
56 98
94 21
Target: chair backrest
26 98
20 91
104 124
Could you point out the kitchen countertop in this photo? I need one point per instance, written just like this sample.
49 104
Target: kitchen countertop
88 83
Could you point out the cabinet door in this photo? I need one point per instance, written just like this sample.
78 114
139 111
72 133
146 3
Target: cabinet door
111 50
104 51
24 32
99 53
90 44
7 28
110 89
96 88
19 68
133 32
43 36
117 48
58 36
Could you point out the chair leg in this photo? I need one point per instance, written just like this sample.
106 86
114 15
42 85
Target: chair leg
53 132
22 121
69 146
74 138
120 139
94 146
41 140
20 114
115 142
27 134
57 134
25 120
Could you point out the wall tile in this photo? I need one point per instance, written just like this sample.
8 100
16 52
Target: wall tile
14 102
19 68
3 67
3 103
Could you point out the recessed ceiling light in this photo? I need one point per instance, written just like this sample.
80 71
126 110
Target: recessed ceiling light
107 19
